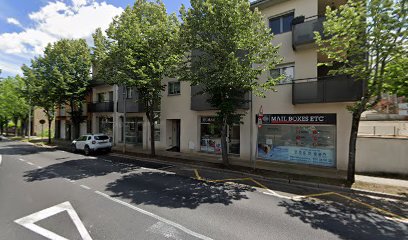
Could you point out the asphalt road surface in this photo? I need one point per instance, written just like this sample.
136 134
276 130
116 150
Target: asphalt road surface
53 194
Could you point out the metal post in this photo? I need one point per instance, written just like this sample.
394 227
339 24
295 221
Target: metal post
251 157
29 122
124 119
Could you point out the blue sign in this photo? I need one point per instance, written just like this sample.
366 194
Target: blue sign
294 154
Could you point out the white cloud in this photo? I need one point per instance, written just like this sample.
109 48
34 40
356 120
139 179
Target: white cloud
58 20
79 3
13 21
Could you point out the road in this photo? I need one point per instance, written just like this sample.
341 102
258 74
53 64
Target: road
53 194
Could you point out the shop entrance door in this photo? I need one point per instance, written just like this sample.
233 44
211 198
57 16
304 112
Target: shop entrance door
234 139
175 138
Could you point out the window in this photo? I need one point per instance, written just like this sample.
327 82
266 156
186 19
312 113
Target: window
281 24
134 130
101 97
174 88
106 125
298 138
102 137
82 138
157 126
105 97
129 92
288 71
210 136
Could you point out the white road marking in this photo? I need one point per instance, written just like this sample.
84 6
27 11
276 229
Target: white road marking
39 167
1 159
28 221
21 159
273 193
176 225
85 187
397 219
167 231
32 164
69 180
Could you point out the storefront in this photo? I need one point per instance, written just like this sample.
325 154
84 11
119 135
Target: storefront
106 126
134 130
298 138
210 137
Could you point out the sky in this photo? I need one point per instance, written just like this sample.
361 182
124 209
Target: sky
27 26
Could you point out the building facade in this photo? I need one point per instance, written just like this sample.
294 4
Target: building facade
304 123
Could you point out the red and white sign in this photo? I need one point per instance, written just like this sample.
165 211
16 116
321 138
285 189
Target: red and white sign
260 117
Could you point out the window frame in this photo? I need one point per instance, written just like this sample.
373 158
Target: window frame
129 92
281 17
171 85
280 68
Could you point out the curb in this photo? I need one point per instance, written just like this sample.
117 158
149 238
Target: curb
281 180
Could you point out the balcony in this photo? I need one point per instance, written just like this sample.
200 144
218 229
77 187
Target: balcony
199 101
303 31
132 106
326 89
100 107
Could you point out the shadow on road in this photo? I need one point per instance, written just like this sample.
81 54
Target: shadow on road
359 223
77 169
22 149
173 191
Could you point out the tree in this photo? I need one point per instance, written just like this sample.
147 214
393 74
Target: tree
66 65
367 39
39 90
12 103
141 51
232 47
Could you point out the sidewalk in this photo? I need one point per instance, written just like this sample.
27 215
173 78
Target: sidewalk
383 181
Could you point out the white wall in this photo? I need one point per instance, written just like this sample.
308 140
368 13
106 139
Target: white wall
385 155
62 130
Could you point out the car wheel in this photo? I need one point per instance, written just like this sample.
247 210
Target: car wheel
87 150
73 148
109 150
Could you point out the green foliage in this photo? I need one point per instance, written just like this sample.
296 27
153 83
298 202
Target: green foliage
61 76
67 65
140 49
143 47
369 39
231 47
398 75
12 103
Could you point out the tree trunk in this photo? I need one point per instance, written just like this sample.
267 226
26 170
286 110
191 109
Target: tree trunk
49 130
16 127
352 147
224 144
152 143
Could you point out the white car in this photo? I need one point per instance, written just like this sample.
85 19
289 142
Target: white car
92 143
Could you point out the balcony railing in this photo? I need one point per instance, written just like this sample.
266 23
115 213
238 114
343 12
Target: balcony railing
303 32
326 89
199 101
132 106
100 107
